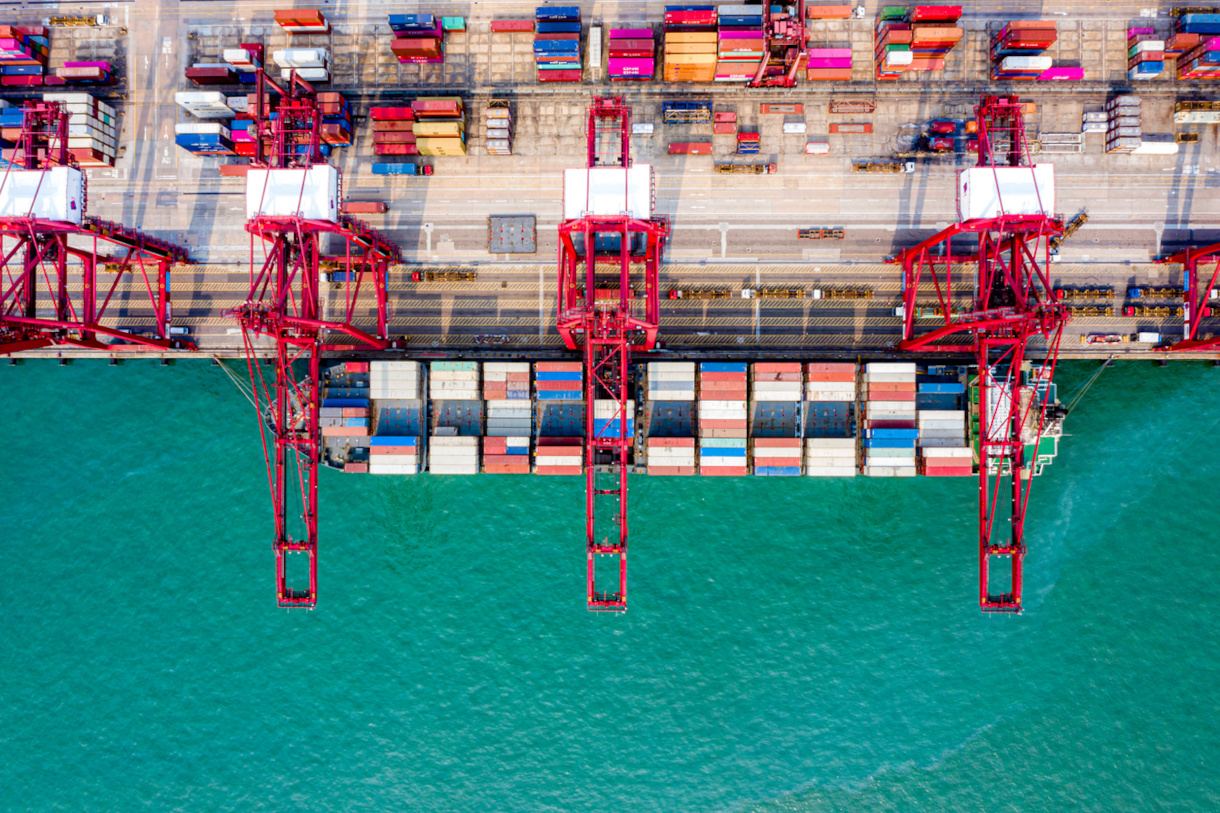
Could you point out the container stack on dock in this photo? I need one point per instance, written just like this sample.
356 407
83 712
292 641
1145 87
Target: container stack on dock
632 54
24 53
92 128
440 126
890 431
557 44
454 381
302 21
691 44
310 64
453 454
776 384
740 43
914 39
82 73
418 39
722 418
393 131
829 65
1145 53
1124 124
1198 39
389 451
830 388
498 127
1016 51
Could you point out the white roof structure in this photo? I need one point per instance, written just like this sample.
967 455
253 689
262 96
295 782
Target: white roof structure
1020 191
309 193
54 194
608 191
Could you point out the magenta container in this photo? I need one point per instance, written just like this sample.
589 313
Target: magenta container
1135 32
830 53
830 63
631 33
1068 74
105 66
621 66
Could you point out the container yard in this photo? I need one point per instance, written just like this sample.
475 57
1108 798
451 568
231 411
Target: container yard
737 222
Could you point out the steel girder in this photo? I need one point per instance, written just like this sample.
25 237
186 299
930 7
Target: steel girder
1195 297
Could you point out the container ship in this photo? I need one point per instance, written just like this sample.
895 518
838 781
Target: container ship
684 418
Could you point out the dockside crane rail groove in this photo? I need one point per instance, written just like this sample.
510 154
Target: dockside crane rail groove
44 224
608 330
1013 304
292 200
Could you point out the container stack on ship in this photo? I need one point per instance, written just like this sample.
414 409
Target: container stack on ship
560 409
723 418
829 416
944 449
669 418
890 430
396 388
775 418
344 416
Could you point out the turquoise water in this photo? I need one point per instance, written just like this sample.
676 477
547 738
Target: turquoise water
792 645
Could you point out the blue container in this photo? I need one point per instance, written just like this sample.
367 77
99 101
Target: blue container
559 375
346 402
558 28
722 366
1187 19
517 396
892 433
561 395
558 66
1199 28
777 471
395 169
517 450
743 22
609 428
412 21
557 13
247 78
355 422
722 451
22 70
392 440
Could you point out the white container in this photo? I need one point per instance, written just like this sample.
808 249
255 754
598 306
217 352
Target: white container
641 128
1156 147
1150 45
1147 337
1026 63
830 443
830 471
301 58
794 128
308 74
817 148
888 367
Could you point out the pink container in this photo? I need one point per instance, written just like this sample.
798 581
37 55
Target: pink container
830 53
631 33
1068 74
621 66
829 63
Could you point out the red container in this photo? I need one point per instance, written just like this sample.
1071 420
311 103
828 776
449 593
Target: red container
376 451
391 114
204 76
355 412
690 148
558 386
395 149
690 18
558 35
632 45
359 207
234 170
626 53
245 149
400 126
851 129
724 128
794 109
356 468
510 26
437 107
724 117
949 14
393 137
672 471
559 470
672 443
948 471
21 81
572 75
504 459
355 367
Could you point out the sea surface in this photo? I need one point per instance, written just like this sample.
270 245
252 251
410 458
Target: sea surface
791 645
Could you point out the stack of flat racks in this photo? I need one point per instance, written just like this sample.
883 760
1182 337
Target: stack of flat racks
498 127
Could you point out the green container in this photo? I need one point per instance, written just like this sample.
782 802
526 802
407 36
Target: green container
894 13
454 366
453 23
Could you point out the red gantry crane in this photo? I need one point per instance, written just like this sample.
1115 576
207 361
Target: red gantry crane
786 50
292 210
608 229
1195 298
1000 258
50 247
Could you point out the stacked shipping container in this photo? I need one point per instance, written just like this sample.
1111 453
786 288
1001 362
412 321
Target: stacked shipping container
498 128
890 431
302 21
557 44
440 126
1198 39
310 64
632 54
722 418
690 44
609 420
393 131
829 65
93 128
1124 124
561 381
24 53
454 381
1145 53
395 453
830 387
1016 51
943 449
740 43
506 455
777 383
914 40
418 38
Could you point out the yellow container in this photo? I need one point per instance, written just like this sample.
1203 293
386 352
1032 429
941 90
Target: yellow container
690 36
443 147
443 129
687 59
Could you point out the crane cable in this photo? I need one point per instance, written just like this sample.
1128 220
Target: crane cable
1077 396
242 387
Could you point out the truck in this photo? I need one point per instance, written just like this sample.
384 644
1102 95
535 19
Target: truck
1153 291
1083 292
1157 310
1103 338
936 311
841 293
883 166
1091 310
819 234
1073 225
746 169
443 276
773 293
